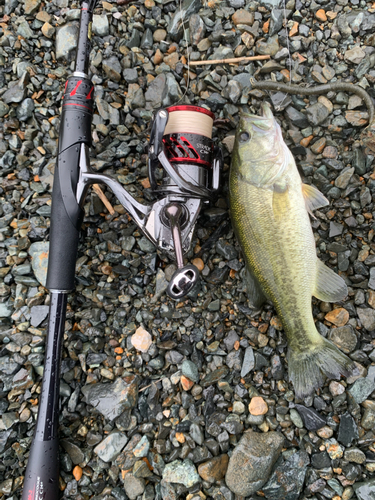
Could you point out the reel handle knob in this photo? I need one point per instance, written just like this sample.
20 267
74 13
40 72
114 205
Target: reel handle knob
183 280
185 277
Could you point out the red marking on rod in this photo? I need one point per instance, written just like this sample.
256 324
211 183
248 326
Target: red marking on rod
74 91
89 94
74 104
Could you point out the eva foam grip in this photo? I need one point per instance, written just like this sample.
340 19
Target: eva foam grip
67 215
66 218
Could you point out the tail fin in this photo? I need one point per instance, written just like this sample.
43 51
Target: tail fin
307 370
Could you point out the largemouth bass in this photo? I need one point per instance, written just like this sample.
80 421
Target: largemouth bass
270 213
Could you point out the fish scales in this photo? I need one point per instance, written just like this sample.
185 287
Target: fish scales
277 255
270 213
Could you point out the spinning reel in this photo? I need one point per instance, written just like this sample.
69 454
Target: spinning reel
181 143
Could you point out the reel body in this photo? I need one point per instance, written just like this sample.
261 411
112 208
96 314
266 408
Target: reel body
181 144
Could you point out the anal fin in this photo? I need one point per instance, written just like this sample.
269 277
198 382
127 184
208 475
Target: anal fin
329 286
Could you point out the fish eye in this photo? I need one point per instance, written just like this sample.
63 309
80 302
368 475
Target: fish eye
244 137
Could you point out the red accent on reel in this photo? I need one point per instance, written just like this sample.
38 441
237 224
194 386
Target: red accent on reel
190 160
188 107
180 149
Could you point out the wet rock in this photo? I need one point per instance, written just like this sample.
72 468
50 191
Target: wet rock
181 17
4 109
38 314
343 179
243 16
134 486
355 455
287 479
39 254
141 340
181 472
112 399
112 68
15 93
354 55
365 490
111 446
252 460
248 362
142 448
258 406
66 41
269 47
190 370
100 25
317 113
367 318
215 376
362 388
23 379
333 448
296 117
31 7
214 469
25 110
75 453
312 420
320 460
348 430
197 29
344 337
135 39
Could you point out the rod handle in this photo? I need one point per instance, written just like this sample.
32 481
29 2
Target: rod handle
67 214
42 471
66 218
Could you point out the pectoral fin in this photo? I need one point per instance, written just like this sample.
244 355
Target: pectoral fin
255 294
280 201
329 286
313 198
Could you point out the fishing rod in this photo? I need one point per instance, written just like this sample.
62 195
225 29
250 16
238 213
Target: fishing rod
42 471
181 146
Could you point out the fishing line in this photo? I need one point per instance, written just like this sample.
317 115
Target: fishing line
187 121
188 55
287 44
288 49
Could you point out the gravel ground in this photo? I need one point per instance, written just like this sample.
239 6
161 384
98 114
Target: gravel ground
184 400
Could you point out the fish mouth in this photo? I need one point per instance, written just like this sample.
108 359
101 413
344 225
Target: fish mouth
263 121
265 110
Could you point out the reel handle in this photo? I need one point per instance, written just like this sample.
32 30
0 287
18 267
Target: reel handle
185 278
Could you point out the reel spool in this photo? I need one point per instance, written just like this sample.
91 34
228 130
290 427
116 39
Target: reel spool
181 142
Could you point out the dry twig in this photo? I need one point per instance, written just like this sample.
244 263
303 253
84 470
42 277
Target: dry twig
231 60
104 199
